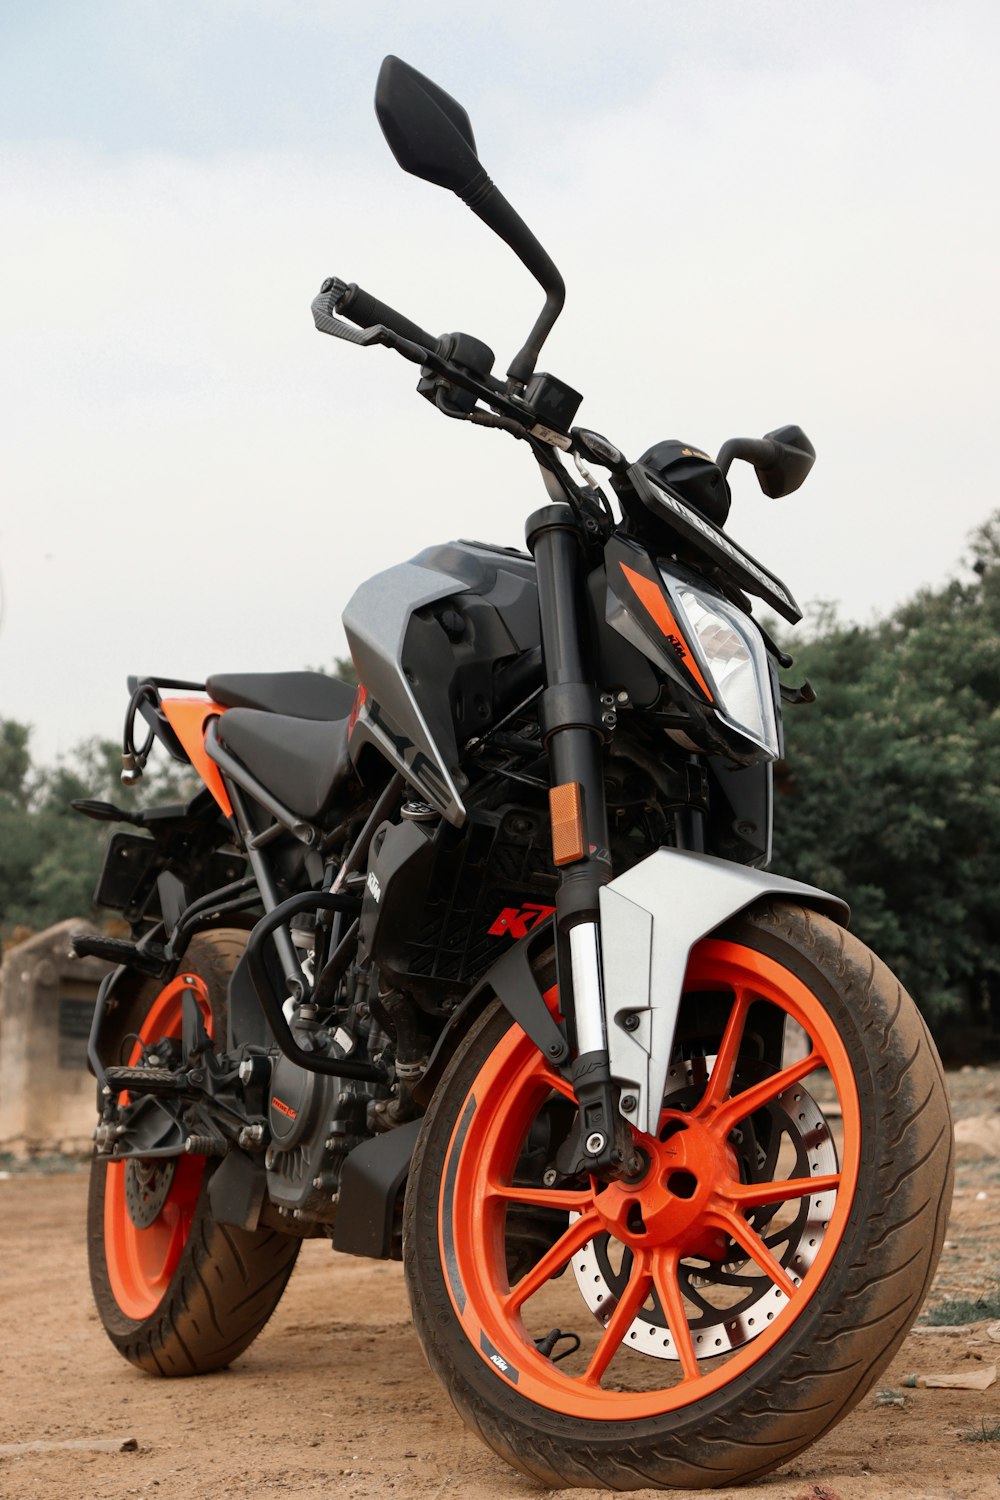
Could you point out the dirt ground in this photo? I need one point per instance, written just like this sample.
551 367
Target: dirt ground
334 1398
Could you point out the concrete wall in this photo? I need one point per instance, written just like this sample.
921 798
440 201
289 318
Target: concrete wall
47 1096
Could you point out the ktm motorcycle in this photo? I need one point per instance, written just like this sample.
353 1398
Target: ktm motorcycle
480 964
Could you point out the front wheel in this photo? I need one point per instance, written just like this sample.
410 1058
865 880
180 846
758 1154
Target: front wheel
704 1323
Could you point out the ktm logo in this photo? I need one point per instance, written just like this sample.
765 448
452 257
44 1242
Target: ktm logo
679 647
519 921
283 1108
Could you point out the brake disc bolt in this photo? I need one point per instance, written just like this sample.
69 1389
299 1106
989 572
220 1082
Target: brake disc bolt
595 1144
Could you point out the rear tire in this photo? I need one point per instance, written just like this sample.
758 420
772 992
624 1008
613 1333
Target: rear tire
177 1292
734 1390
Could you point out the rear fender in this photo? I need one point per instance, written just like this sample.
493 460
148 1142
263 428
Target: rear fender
651 917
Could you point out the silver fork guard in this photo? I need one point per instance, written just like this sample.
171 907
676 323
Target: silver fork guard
651 917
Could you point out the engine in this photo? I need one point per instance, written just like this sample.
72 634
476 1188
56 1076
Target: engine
314 1120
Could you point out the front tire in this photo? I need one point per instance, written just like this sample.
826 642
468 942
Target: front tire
177 1292
737 1301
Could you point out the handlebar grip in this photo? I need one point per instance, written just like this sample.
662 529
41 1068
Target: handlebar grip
361 308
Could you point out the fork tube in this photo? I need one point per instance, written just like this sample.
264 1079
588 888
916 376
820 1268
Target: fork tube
573 735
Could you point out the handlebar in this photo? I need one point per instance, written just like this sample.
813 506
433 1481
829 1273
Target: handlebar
453 360
359 307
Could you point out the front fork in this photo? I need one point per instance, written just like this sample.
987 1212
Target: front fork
573 734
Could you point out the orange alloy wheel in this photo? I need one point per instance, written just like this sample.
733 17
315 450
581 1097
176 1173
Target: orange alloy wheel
707 1260
149 1203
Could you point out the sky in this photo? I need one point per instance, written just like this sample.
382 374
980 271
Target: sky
765 211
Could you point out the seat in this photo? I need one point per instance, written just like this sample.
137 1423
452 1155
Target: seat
300 695
301 761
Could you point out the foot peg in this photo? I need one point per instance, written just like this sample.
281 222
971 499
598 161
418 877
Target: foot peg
146 1080
149 960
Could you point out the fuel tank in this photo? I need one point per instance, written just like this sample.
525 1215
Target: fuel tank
444 645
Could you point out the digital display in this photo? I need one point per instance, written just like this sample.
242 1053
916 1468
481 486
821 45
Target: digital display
743 569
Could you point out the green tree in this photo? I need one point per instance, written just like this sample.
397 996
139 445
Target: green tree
50 855
892 784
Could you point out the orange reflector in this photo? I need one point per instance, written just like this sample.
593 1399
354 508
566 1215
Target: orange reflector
567 823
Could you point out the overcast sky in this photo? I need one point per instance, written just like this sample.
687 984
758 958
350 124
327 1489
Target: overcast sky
766 211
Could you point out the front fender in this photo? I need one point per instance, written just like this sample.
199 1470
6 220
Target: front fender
651 917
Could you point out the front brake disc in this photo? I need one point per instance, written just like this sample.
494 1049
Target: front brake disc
730 1302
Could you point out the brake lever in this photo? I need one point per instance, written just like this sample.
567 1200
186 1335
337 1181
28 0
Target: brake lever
364 337
327 323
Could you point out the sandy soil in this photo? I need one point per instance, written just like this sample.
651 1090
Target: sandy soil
334 1398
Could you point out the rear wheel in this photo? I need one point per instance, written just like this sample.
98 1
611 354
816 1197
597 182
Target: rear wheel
704 1323
177 1292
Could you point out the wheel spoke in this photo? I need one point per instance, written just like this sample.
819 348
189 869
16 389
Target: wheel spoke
633 1296
558 1082
575 1237
668 1289
573 1200
721 1077
745 1235
745 1103
751 1194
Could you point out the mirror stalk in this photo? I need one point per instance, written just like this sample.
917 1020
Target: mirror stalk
489 204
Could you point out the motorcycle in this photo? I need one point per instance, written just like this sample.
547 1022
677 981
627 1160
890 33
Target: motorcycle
479 964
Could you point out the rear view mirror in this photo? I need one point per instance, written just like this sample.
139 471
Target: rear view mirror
792 462
430 136
428 131
781 458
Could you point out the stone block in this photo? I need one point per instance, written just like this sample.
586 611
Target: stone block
47 1095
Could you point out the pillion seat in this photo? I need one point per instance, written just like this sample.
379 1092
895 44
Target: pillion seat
300 695
301 761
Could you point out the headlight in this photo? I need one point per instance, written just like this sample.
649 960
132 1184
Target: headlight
734 654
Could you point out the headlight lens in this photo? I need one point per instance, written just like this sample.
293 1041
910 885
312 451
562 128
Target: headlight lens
734 654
